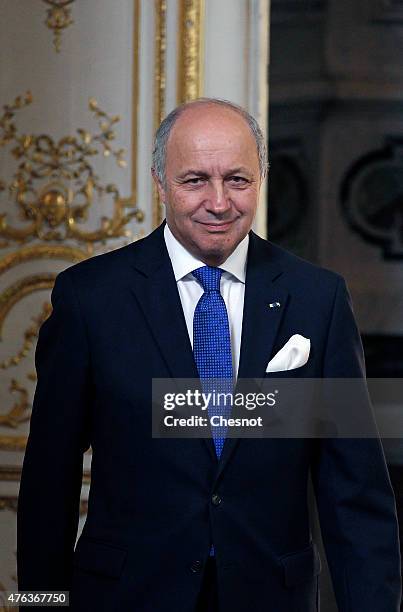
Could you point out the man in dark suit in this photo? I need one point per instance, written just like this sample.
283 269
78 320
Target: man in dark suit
178 525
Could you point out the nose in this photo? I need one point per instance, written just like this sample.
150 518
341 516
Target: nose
217 200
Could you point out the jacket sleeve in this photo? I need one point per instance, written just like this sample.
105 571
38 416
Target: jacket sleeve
48 504
355 499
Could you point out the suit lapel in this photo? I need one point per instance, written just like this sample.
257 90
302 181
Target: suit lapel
155 289
264 307
261 321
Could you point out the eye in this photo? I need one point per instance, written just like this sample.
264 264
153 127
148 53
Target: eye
238 180
196 180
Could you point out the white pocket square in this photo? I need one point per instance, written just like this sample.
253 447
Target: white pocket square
294 354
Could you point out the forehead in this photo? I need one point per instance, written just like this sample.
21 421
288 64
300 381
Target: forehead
210 131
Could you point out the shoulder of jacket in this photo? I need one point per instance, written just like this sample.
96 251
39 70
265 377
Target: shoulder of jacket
304 270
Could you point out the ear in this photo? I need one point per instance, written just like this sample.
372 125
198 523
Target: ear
159 186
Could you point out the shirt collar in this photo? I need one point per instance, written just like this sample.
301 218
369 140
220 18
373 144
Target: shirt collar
184 263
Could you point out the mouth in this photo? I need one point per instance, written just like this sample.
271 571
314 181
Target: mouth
218 226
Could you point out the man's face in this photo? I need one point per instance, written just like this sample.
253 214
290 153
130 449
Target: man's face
212 181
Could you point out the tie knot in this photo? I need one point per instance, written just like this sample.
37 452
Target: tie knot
208 277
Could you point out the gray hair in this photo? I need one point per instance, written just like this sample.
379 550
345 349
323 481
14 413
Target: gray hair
164 130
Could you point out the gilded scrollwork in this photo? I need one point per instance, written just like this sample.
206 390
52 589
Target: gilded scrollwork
20 410
54 185
44 251
51 192
13 443
55 182
20 288
30 335
58 18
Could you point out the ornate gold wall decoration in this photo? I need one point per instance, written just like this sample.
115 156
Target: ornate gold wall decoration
30 335
55 182
58 19
53 187
159 88
13 443
19 411
8 503
190 50
19 289
42 251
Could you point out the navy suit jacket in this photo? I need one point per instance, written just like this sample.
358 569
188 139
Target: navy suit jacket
117 322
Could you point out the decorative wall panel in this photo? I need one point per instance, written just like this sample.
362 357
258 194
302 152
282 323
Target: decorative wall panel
372 198
75 160
68 190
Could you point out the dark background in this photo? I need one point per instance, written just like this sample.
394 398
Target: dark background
336 180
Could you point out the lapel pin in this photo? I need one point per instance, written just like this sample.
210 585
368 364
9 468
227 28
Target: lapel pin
274 305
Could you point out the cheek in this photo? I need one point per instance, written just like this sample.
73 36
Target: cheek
183 203
246 202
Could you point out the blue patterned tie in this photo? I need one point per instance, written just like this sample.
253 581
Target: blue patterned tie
212 346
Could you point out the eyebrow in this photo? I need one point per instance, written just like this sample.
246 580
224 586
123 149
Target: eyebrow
194 172
241 169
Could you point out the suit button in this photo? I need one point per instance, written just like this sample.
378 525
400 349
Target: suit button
216 499
195 566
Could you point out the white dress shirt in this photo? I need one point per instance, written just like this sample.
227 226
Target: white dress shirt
232 287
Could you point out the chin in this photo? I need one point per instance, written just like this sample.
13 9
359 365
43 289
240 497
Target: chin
214 253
